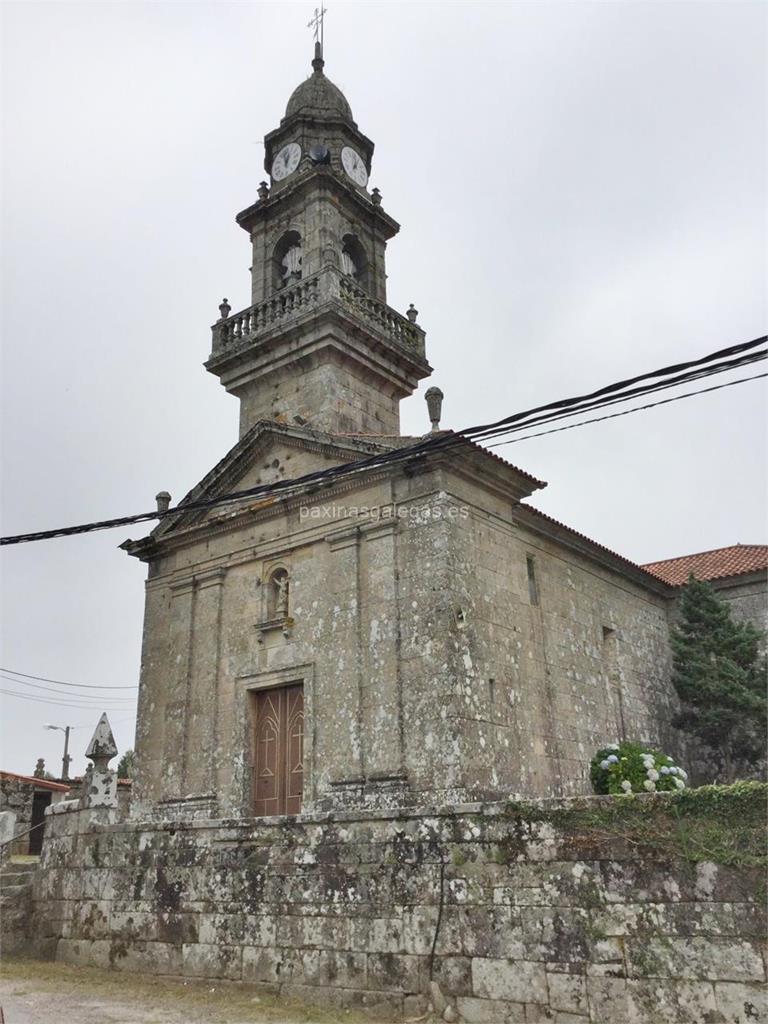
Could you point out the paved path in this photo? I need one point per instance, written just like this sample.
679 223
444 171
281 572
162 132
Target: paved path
52 1008
33 992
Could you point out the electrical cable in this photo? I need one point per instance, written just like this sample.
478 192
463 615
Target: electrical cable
724 359
724 353
61 693
628 412
65 704
625 396
61 682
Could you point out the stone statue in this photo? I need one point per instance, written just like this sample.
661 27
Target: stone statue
292 263
39 772
348 264
281 601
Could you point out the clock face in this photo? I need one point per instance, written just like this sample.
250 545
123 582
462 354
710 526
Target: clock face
286 161
354 166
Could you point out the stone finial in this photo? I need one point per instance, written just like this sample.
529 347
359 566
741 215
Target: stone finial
412 313
434 397
224 309
102 747
39 772
263 190
318 63
376 197
163 500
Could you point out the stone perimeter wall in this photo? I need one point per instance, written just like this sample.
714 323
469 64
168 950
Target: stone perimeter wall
514 919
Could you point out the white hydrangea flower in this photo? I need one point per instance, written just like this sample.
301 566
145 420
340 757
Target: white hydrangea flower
679 783
682 774
626 786
612 746
612 759
605 765
650 786
665 770
653 775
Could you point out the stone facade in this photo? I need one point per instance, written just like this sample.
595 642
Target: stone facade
449 642
429 669
747 597
495 913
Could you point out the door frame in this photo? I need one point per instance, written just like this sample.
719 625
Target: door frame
251 683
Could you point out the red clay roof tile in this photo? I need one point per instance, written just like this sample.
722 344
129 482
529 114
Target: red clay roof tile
711 565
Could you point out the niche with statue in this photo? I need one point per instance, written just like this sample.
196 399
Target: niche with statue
275 603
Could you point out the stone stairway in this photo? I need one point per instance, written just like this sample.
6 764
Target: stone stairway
16 878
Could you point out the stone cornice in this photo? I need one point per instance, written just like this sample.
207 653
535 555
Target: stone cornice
323 177
241 457
288 341
475 465
589 549
152 547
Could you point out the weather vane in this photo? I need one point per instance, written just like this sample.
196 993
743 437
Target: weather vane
316 24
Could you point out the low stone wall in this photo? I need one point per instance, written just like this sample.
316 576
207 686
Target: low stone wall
16 796
599 910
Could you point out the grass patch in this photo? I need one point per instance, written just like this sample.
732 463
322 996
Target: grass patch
214 1000
722 824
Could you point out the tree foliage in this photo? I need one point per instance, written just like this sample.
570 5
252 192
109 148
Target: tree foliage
126 765
719 673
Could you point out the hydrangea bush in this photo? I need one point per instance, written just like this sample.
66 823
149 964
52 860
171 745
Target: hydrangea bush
634 768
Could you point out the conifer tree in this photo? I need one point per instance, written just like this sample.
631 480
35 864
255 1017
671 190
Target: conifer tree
126 765
719 673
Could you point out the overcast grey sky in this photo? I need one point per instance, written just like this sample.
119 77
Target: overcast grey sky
581 193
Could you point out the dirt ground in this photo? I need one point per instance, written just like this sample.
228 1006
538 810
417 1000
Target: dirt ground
32 992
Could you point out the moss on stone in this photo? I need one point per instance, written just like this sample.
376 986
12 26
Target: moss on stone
721 824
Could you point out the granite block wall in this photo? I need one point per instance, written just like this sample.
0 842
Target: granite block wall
498 912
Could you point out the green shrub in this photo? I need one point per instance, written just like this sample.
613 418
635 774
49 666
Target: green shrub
634 768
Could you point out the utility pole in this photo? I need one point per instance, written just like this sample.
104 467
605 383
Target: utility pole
66 759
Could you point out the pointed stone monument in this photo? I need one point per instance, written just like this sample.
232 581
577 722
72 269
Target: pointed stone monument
99 783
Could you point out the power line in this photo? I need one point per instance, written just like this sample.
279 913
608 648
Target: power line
724 359
50 689
688 377
628 412
61 682
60 703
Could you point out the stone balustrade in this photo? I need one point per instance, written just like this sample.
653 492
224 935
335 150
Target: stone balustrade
256 319
297 299
398 328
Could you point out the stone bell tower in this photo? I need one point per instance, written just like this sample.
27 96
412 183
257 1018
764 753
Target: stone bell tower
319 346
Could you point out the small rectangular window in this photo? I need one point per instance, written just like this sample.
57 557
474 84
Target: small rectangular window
533 588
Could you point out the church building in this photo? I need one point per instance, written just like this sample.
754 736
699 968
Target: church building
414 634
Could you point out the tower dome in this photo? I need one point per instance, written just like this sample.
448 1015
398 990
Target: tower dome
318 96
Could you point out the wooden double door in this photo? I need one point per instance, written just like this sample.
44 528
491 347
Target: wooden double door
277 751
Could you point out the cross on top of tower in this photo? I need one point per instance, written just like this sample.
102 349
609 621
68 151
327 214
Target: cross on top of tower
316 23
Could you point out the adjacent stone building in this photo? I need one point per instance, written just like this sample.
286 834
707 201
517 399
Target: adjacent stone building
738 573
23 801
413 633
